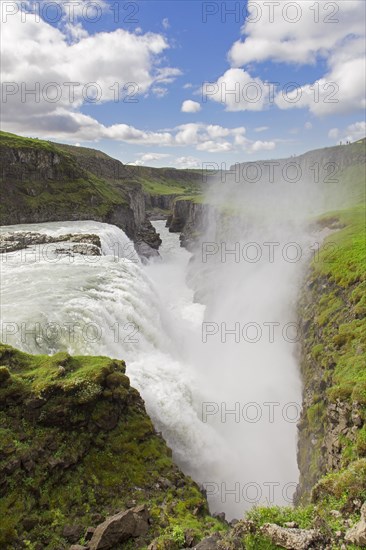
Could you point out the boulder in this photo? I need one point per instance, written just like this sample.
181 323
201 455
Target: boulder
220 516
209 543
120 527
293 539
72 533
357 534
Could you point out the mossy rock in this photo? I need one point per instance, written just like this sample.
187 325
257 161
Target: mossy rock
77 447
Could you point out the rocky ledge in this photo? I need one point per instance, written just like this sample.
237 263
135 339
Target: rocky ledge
18 240
77 447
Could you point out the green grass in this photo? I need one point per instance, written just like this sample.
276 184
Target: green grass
343 255
333 313
15 141
77 445
334 492
85 183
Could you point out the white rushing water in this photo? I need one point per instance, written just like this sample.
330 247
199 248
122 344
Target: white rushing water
113 305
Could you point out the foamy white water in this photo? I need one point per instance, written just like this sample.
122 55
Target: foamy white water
145 314
112 305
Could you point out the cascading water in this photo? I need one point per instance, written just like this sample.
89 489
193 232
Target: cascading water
109 305
113 305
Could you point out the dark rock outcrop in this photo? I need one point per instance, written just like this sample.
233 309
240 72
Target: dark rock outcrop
76 435
188 218
120 527
43 182
17 240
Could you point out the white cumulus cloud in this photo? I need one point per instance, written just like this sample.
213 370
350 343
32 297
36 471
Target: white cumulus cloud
189 106
237 90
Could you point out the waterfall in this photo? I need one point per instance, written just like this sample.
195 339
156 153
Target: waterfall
111 305
114 305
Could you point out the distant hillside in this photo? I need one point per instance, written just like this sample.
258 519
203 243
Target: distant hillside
342 164
43 181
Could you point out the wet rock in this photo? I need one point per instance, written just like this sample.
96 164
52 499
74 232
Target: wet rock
130 503
29 523
357 533
293 539
34 403
145 251
10 242
82 249
120 527
10 246
28 463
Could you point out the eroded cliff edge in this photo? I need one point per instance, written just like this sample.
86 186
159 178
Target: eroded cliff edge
77 446
43 181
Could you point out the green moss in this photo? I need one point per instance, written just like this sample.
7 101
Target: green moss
342 257
77 445
315 415
303 516
335 492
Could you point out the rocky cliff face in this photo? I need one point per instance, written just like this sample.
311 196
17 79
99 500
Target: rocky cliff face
42 182
188 218
77 446
332 425
159 205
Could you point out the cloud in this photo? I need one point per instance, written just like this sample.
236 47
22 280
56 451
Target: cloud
263 146
353 132
340 91
63 75
165 23
301 33
159 91
146 158
215 147
211 138
295 34
333 133
66 75
190 106
261 129
188 162
187 85
357 130
238 91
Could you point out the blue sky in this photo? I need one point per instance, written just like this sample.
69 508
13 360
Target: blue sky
170 49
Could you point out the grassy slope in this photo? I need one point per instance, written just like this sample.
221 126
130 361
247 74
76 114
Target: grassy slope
80 187
336 311
77 445
155 181
74 189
